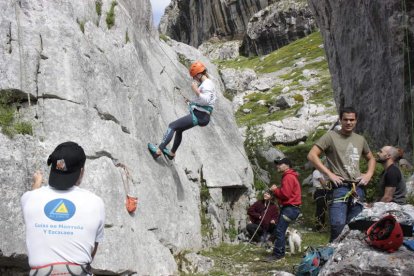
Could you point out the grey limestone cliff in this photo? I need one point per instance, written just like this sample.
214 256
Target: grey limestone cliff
370 50
194 22
113 89
276 26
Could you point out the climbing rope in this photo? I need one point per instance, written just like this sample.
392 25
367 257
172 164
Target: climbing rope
255 232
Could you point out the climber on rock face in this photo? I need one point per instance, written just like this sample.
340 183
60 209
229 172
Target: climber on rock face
201 107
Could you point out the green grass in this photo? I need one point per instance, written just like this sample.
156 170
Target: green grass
9 124
81 25
98 7
307 47
248 258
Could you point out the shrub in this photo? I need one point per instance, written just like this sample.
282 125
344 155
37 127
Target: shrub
110 15
81 25
298 98
126 37
9 125
254 140
232 231
98 7
23 128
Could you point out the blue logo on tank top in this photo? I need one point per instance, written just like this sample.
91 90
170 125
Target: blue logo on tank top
60 209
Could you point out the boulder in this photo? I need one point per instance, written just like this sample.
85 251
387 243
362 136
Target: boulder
353 256
284 102
237 81
292 130
220 50
192 263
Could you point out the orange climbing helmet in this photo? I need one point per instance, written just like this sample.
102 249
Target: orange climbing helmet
386 234
196 68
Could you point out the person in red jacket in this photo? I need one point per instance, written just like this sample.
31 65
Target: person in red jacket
289 196
263 215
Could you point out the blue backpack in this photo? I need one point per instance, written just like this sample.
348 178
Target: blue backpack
313 260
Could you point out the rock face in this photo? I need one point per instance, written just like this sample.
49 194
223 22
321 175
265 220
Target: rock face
276 26
193 21
113 90
365 43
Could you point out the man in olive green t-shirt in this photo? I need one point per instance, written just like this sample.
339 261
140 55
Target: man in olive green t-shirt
343 150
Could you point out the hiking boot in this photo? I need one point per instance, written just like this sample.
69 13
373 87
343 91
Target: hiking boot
273 258
153 150
168 153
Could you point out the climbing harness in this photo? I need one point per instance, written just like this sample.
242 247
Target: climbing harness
191 106
64 268
131 202
351 196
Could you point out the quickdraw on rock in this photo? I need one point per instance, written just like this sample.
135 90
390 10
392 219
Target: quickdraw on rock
131 201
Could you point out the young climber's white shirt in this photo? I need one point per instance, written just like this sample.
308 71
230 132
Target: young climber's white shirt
62 226
208 94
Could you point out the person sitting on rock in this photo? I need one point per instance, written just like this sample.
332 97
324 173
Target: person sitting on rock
392 184
201 107
263 216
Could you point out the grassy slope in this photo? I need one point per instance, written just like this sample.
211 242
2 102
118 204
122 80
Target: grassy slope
308 50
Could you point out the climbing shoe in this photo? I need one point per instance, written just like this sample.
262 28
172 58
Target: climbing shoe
153 150
168 153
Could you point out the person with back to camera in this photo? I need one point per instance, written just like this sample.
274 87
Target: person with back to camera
320 195
64 223
201 107
343 150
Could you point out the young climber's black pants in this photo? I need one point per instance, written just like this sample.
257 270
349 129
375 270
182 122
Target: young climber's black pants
180 125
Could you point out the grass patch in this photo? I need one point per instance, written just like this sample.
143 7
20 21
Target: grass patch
307 47
307 51
81 25
98 8
9 124
164 38
110 15
247 259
